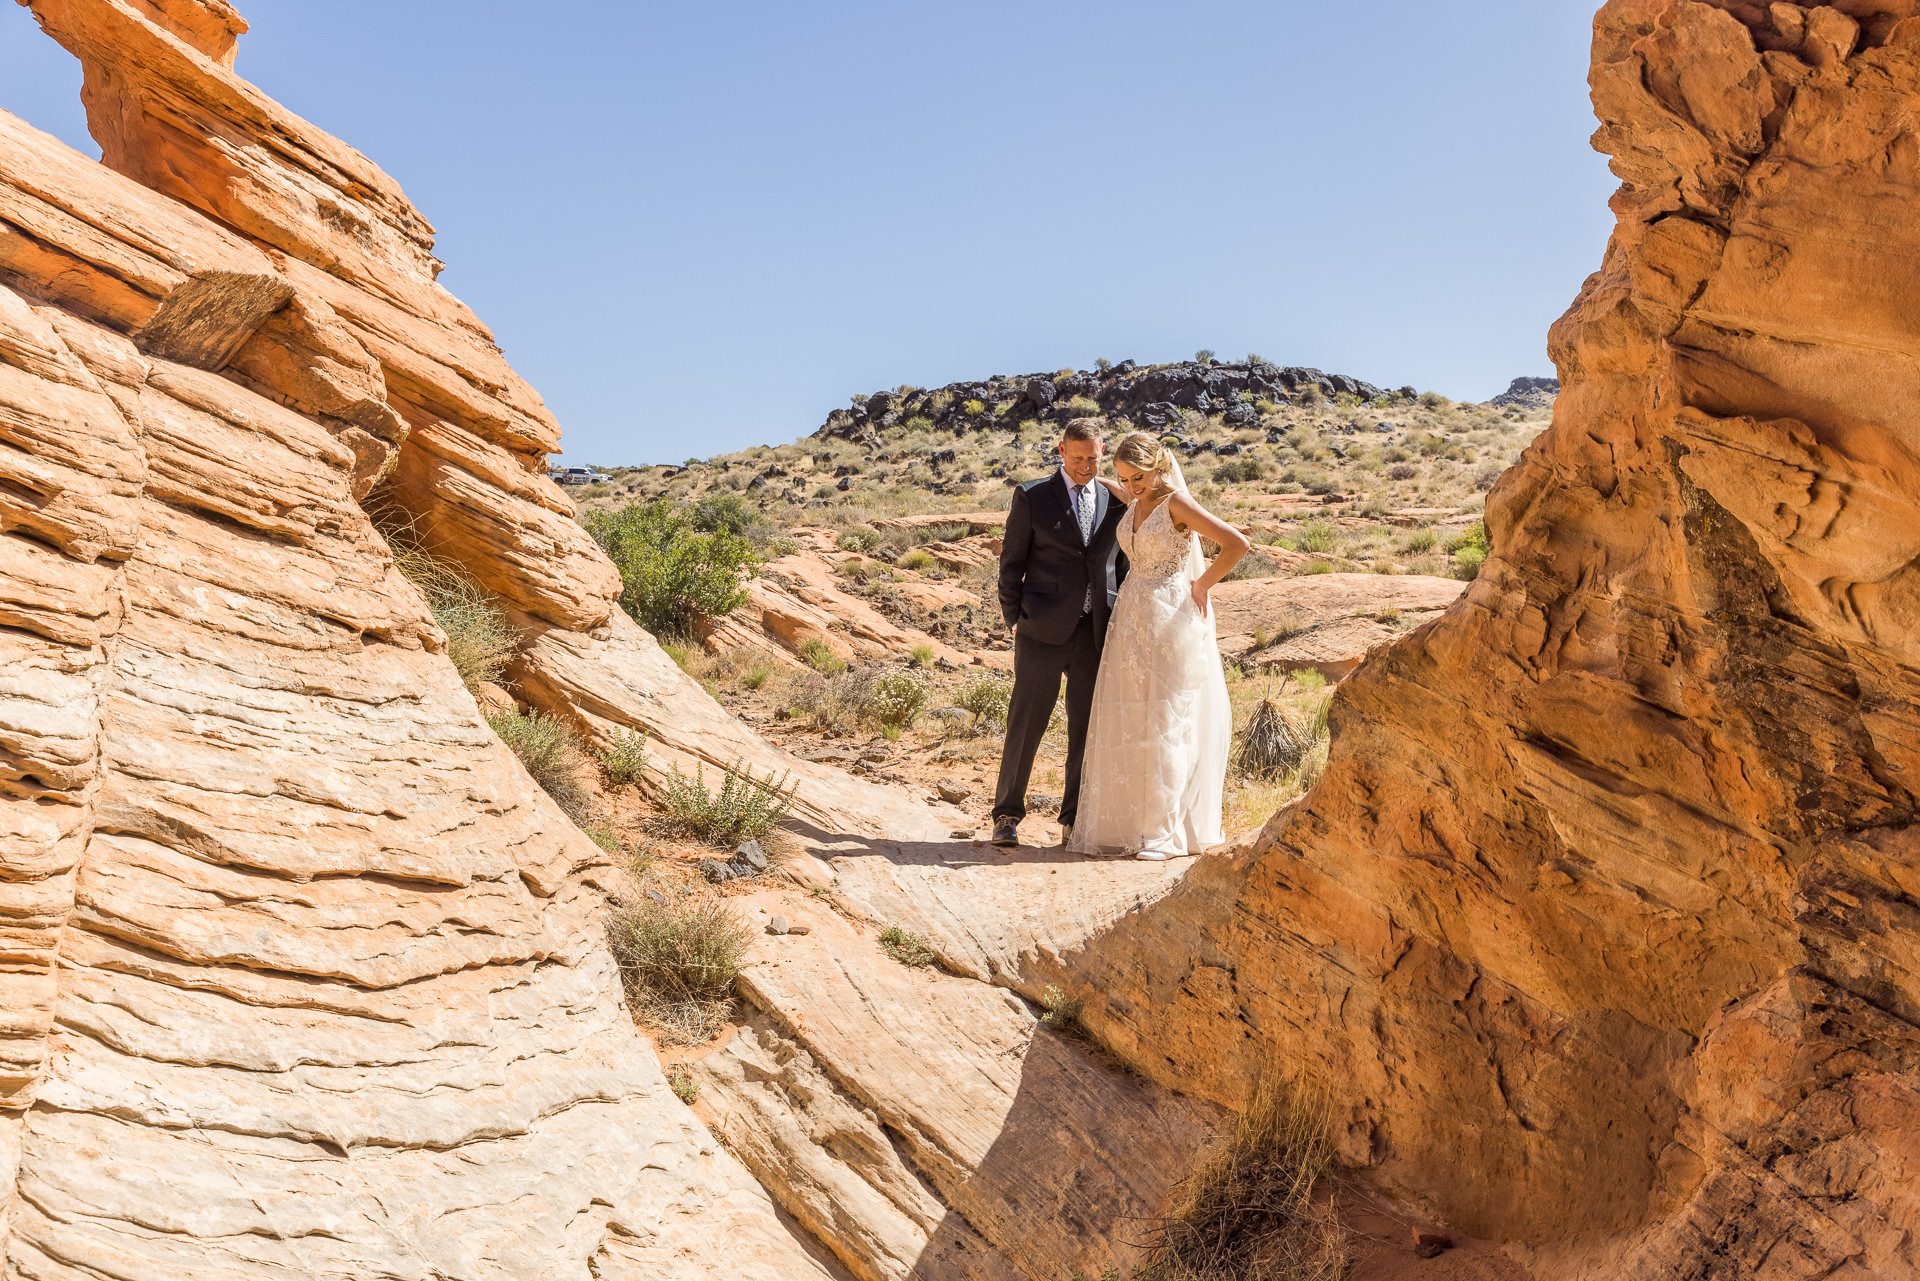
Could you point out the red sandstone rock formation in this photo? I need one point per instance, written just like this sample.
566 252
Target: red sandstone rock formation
301 973
1601 925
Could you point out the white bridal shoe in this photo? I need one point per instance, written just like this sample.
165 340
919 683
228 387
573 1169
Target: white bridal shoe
1153 856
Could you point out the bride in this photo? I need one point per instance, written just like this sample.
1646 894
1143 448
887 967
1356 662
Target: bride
1156 754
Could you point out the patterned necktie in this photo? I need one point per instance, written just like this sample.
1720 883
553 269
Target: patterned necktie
1083 508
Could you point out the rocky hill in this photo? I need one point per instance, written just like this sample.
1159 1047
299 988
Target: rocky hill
1152 396
1593 925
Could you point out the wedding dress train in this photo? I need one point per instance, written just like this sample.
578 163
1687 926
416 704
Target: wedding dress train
1156 754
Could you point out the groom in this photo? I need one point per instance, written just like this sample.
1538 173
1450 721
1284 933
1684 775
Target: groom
1059 572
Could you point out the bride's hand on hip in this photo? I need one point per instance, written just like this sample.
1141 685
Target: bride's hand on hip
1199 593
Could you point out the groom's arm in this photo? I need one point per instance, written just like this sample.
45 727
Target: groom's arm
1013 556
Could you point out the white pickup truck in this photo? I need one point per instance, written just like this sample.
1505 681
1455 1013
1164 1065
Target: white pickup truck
576 476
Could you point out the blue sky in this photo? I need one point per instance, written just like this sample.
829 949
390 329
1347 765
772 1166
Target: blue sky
699 227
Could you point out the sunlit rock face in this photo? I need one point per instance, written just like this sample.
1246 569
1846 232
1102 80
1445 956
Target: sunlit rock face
1601 926
301 975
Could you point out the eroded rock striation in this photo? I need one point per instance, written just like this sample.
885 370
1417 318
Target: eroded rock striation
302 974
1600 927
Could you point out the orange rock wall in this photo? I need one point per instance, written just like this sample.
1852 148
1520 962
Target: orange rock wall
1601 927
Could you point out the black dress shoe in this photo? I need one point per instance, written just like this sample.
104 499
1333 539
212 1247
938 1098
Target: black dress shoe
1006 832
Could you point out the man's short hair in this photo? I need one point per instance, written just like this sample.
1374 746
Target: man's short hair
1083 429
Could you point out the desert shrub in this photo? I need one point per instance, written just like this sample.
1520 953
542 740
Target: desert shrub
986 698
756 673
921 655
819 655
1274 742
626 759
685 1088
841 699
673 574
1403 471
1316 536
916 560
1469 550
547 747
1241 469
602 833
1420 542
1433 400
1253 565
1484 479
1249 1211
678 959
479 641
1063 1011
919 422
734 515
860 538
945 532
974 408
908 948
744 809
898 698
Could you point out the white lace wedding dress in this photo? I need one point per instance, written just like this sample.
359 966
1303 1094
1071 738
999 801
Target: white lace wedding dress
1156 754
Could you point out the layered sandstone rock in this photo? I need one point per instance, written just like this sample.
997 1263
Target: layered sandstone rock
1324 622
302 974
926 1124
1600 925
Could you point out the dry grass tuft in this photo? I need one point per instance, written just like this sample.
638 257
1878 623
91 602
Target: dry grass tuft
678 959
1249 1212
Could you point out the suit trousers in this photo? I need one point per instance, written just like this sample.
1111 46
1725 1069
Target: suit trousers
1037 669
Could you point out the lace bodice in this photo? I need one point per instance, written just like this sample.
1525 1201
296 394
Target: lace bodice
1158 550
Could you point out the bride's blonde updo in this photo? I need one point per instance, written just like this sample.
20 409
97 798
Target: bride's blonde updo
1144 451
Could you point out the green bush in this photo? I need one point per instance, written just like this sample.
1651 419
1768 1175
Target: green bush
1316 536
898 698
1243 469
858 539
916 560
1063 1011
819 655
673 574
921 655
732 514
626 760
1469 549
547 747
974 408
1420 542
744 809
986 698
907 948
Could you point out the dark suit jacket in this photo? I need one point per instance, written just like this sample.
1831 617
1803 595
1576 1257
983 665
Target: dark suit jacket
1045 568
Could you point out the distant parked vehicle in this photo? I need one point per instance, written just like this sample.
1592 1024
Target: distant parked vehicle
577 476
